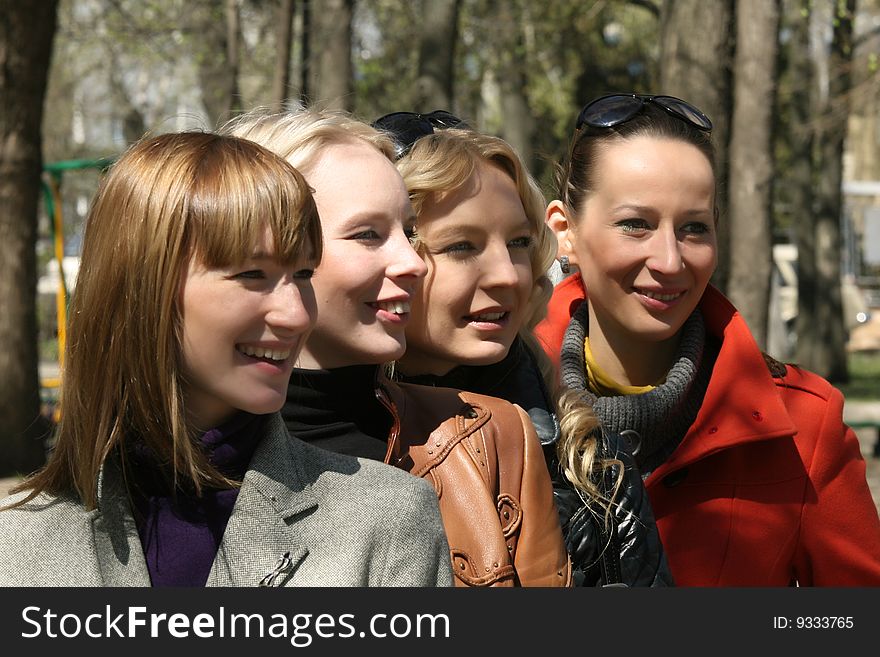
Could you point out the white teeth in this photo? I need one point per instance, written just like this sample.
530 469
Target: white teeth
396 307
488 317
661 297
259 352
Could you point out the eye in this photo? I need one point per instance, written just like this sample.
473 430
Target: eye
251 274
411 234
304 274
458 248
633 226
523 242
696 228
366 235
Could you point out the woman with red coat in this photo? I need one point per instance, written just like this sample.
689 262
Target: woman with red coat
754 478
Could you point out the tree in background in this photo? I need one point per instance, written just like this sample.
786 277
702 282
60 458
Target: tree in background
751 161
439 36
831 112
696 50
330 25
26 34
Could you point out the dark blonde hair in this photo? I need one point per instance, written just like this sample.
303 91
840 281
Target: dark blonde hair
167 200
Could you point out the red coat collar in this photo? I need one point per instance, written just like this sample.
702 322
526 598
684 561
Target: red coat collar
742 403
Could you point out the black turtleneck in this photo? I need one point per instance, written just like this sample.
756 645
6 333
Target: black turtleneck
516 378
337 410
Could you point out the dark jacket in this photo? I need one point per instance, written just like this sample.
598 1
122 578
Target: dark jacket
641 561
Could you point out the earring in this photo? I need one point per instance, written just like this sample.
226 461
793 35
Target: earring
564 264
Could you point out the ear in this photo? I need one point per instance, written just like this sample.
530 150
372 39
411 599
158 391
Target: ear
556 218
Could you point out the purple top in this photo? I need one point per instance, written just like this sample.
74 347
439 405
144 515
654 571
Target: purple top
180 534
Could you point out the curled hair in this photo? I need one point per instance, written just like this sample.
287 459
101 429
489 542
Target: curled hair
576 179
167 200
299 136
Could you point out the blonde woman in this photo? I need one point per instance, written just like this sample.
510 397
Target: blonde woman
480 230
481 454
172 466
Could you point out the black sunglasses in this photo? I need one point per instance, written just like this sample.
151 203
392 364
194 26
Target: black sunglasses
614 109
405 128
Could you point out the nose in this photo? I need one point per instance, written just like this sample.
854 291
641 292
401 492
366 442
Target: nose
498 267
665 256
404 262
291 307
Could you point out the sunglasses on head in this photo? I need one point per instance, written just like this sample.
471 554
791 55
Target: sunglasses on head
614 109
405 128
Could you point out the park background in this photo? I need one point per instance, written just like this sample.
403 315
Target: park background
792 87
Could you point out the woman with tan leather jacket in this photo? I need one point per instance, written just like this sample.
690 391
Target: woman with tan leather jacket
481 232
481 454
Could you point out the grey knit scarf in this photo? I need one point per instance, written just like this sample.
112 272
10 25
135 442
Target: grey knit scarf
661 417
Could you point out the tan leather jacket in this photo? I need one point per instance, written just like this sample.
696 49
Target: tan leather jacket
484 459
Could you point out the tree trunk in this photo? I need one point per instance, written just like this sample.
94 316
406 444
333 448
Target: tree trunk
517 125
751 162
305 50
26 34
695 65
218 27
829 360
331 82
800 181
283 47
434 86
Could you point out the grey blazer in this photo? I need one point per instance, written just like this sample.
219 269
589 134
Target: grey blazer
344 522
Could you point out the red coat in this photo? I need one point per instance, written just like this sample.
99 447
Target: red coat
768 486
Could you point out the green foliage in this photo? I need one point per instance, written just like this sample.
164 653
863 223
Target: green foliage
864 376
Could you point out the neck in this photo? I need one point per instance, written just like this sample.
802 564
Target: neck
628 360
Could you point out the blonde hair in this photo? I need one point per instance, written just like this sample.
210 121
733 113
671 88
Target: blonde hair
444 161
167 200
299 136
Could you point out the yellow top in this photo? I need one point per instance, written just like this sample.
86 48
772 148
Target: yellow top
602 384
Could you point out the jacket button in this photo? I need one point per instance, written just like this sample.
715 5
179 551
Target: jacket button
673 479
757 415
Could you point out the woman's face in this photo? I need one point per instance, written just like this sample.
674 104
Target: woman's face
243 328
476 242
645 238
369 271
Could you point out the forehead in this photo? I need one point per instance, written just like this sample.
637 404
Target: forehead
355 177
488 199
645 163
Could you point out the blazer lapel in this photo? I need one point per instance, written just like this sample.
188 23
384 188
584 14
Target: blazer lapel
261 536
118 550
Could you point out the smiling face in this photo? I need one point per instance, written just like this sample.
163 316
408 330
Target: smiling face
644 239
243 328
476 242
369 271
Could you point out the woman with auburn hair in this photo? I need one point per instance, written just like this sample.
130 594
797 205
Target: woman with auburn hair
754 478
172 466
480 230
481 454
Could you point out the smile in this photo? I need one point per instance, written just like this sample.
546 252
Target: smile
487 317
395 307
259 352
658 296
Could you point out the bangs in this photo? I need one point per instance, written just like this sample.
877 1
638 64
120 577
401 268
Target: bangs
238 197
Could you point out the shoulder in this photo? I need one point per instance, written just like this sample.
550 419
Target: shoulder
45 530
360 481
797 380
